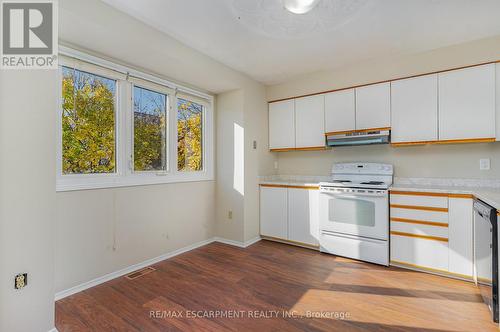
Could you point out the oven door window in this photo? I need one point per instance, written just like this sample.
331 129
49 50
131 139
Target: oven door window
353 211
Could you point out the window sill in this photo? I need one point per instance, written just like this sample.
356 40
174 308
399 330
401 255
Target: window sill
115 181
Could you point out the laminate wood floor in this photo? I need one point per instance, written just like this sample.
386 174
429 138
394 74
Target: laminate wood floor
274 287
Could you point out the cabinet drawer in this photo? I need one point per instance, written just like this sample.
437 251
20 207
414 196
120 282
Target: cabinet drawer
420 200
419 252
420 215
419 229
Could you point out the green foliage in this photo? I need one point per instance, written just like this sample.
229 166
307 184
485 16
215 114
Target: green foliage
149 142
189 136
88 124
88 128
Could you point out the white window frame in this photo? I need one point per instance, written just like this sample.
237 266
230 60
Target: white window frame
125 176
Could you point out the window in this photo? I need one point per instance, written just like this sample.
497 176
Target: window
120 127
88 123
150 130
189 135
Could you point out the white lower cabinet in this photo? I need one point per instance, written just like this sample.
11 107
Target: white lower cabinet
461 236
303 213
420 252
432 232
290 214
274 212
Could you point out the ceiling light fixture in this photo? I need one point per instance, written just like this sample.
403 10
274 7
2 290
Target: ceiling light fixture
299 6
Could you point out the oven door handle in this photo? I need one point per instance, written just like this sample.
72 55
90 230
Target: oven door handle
356 195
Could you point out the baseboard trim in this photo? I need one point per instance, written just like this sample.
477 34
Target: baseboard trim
113 275
238 243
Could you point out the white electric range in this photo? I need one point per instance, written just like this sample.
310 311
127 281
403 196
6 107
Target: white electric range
354 212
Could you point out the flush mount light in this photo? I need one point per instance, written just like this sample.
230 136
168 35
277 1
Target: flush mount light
299 6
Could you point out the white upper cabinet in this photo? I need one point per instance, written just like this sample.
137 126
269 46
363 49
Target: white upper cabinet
340 111
414 113
282 124
467 103
373 106
310 121
498 102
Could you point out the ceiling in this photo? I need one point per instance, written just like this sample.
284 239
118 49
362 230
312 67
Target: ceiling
271 45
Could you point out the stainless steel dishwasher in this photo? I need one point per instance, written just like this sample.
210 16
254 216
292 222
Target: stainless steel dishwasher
486 254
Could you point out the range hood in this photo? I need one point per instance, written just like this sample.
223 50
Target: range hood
359 138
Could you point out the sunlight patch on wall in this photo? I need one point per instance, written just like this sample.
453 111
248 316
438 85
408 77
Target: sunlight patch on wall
239 159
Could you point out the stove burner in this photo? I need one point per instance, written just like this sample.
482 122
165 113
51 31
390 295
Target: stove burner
373 182
342 181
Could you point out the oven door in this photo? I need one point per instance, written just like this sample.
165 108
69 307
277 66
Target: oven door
359 212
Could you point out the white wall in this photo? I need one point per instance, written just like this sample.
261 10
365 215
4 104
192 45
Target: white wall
447 161
135 221
230 168
420 161
27 198
102 231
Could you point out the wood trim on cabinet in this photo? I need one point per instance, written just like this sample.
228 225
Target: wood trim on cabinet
430 194
311 148
461 196
297 243
469 140
422 208
356 131
426 237
449 141
385 81
289 186
420 222
430 269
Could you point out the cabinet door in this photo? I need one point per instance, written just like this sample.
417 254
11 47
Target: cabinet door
467 103
310 121
282 124
303 213
498 101
273 212
419 252
460 235
373 106
414 109
340 111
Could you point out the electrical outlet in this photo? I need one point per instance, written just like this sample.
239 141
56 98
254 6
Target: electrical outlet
21 280
275 165
230 214
254 145
484 164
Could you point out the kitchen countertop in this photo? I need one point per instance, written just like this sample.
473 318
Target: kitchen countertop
485 190
490 196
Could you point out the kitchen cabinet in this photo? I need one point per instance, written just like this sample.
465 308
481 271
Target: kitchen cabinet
467 103
310 122
340 111
282 125
290 214
432 231
498 101
460 234
419 252
373 106
274 212
414 109
303 214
